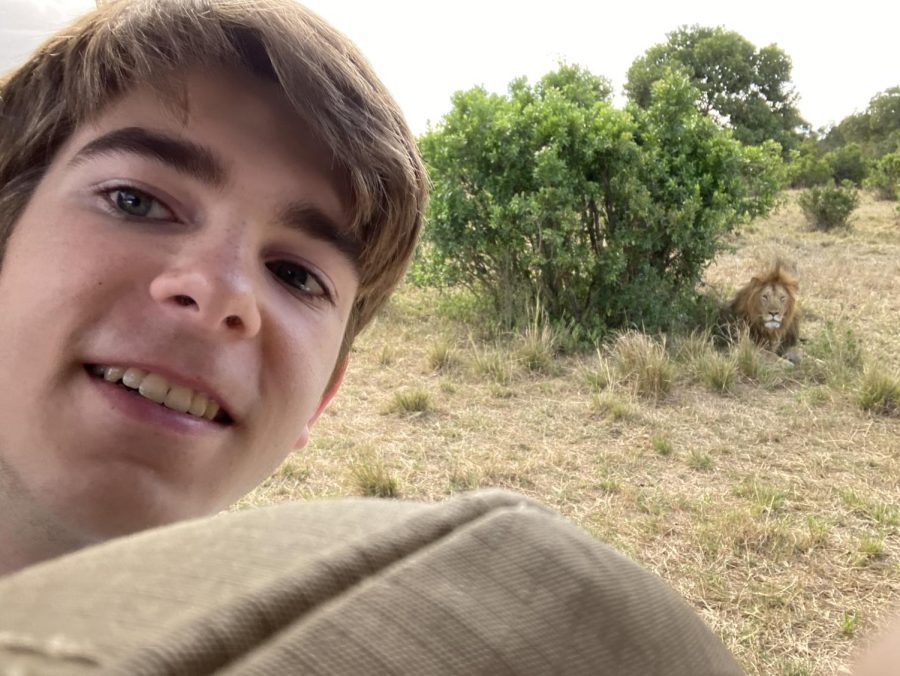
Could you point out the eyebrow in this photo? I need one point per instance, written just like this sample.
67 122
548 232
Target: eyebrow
311 220
183 156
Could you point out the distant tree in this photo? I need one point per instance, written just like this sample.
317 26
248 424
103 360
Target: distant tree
742 87
876 131
576 84
884 114
606 217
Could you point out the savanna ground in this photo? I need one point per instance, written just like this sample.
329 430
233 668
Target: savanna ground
766 494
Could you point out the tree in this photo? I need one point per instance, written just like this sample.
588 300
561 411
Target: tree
744 88
607 217
877 130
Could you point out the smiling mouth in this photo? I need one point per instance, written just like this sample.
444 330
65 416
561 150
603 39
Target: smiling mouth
157 389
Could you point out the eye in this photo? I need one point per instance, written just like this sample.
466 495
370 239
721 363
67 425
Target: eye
137 204
298 277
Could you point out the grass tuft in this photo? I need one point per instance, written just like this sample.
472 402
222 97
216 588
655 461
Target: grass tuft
879 393
749 357
612 407
700 461
495 364
538 344
869 550
373 479
849 623
693 347
836 356
442 356
463 480
718 372
644 362
766 499
661 444
598 377
410 400
388 355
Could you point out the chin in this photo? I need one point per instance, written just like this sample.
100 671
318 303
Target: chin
102 512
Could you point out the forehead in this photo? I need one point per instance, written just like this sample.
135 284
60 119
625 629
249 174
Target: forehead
244 120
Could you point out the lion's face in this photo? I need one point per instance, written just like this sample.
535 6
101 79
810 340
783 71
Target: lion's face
767 305
774 305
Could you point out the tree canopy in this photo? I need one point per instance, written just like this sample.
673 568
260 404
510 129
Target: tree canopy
742 87
876 131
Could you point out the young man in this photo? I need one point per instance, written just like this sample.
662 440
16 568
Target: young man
196 224
202 202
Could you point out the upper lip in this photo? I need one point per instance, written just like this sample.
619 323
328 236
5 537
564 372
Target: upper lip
176 376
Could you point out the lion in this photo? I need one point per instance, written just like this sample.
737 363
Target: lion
767 306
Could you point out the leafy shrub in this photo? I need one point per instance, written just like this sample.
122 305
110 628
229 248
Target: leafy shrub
607 216
807 166
847 164
884 177
828 206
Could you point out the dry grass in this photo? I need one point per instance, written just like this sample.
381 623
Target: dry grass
773 509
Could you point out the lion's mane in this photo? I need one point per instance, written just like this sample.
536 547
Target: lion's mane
770 297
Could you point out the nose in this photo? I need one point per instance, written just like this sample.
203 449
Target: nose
212 289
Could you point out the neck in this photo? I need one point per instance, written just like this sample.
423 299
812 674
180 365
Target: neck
28 534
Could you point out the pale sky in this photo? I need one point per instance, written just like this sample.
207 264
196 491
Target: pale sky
424 51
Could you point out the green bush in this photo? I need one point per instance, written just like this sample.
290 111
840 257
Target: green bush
807 166
605 216
847 164
884 177
828 206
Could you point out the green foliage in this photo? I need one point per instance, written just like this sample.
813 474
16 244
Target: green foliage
745 88
606 216
884 177
829 206
807 166
877 130
847 164
849 623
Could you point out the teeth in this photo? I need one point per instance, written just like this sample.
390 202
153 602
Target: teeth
156 388
198 405
133 377
179 399
114 374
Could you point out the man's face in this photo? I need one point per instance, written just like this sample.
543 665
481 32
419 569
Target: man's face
204 250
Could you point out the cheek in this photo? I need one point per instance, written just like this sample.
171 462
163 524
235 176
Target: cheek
299 358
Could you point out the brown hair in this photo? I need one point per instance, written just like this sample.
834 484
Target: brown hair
330 85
